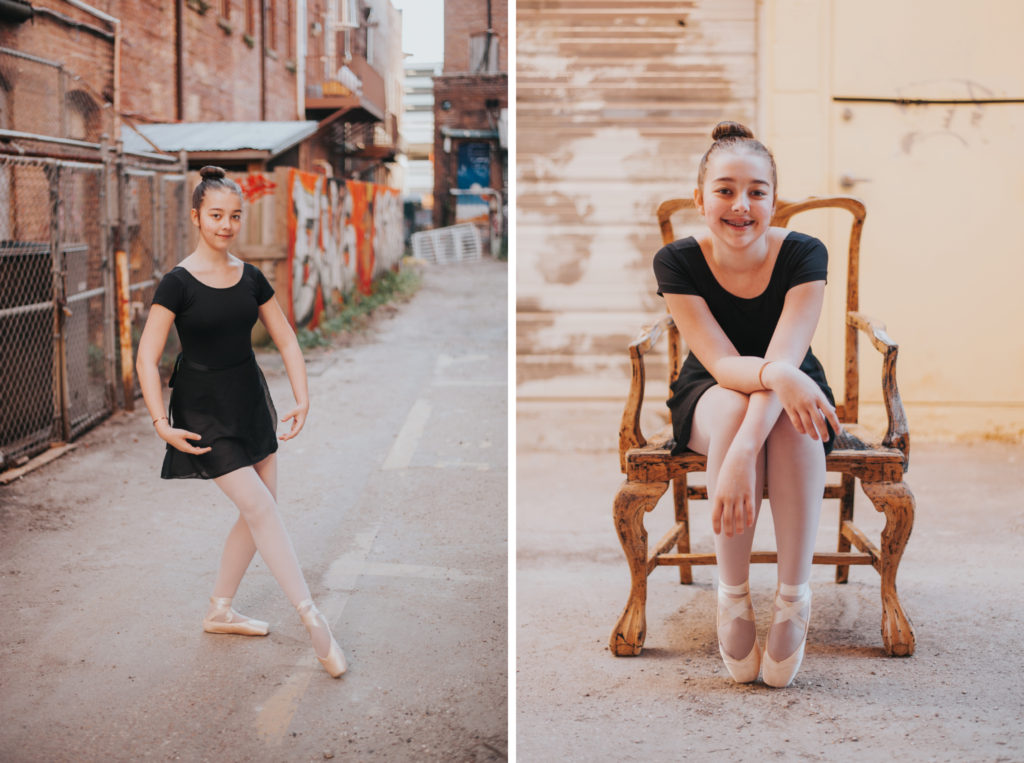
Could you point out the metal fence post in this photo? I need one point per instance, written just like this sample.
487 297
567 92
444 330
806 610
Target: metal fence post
120 242
61 392
107 265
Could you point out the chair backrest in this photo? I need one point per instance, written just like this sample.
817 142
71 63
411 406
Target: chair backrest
847 408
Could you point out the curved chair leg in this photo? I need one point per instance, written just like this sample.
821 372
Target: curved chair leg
631 502
896 501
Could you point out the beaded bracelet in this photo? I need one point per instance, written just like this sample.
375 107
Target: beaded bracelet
759 379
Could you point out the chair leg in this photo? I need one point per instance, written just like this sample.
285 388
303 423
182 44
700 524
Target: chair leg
682 518
896 501
632 501
845 514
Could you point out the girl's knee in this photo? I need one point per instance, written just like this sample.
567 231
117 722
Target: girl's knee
257 509
730 407
784 437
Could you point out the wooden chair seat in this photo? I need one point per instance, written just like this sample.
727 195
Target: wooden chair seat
877 463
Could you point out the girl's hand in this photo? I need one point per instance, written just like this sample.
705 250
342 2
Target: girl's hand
804 402
733 510
179 438
298 417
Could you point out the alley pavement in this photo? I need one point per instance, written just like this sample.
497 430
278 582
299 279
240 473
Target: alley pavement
395 495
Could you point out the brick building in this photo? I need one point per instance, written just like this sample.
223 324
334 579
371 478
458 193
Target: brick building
470 112
113 66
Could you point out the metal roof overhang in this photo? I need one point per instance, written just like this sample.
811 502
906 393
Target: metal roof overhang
241 141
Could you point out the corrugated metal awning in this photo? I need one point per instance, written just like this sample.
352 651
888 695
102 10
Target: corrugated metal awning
263 138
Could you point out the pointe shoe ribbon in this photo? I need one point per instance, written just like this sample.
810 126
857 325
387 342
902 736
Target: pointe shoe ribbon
334 663
223 619
745 670
780 673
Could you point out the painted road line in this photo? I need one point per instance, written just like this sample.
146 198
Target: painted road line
408 438
275 715
343 569
470 382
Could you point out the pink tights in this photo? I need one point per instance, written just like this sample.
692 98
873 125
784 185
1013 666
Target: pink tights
794 466
253 490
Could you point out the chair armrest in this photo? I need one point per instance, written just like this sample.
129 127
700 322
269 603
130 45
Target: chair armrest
898 434
630 435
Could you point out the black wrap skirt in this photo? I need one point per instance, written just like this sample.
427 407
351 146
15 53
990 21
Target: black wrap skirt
694 380
232 410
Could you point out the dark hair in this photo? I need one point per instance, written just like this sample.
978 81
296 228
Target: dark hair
213 179
734 135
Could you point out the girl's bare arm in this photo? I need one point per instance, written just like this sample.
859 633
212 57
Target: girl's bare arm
147 360
288 345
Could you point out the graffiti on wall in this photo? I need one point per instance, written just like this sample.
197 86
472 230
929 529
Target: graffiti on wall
342 234
256 185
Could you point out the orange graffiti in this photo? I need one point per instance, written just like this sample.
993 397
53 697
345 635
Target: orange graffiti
256 186
341 233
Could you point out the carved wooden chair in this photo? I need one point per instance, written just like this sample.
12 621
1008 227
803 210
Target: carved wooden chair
879 465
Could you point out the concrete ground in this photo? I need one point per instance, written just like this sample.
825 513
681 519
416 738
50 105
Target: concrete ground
395 495
959 698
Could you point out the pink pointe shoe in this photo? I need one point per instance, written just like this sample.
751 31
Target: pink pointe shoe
730 608
334 663
780 673
223 619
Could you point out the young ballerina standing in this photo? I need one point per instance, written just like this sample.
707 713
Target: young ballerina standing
751 396
222 421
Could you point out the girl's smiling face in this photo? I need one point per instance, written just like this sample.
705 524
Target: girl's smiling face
219 219
737 199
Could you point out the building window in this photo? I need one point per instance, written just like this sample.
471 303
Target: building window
250 17
483 53
83 116
225 9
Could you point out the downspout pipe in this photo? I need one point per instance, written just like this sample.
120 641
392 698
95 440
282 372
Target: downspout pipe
116 23
263 60
300 63
179 60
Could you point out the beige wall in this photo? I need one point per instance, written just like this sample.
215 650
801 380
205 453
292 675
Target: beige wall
614 109
942 259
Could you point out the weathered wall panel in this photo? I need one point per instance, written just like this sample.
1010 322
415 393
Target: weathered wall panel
614 109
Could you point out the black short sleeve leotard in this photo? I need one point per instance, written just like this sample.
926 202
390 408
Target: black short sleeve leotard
218 390
680 268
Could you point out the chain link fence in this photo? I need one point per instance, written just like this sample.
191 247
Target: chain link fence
69 204
26 307
154 231
62 223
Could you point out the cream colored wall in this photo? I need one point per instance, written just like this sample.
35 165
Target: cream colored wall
943 254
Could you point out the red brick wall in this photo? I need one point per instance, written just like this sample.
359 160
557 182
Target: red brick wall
34 98
222 73
463 18
468 95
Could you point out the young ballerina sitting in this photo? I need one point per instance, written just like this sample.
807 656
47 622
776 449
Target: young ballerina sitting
751 396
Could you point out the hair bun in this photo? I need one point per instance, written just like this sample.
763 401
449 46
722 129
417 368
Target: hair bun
731 130
210 172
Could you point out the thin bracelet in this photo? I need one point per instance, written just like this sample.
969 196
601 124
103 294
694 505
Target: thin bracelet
759 379
162 418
